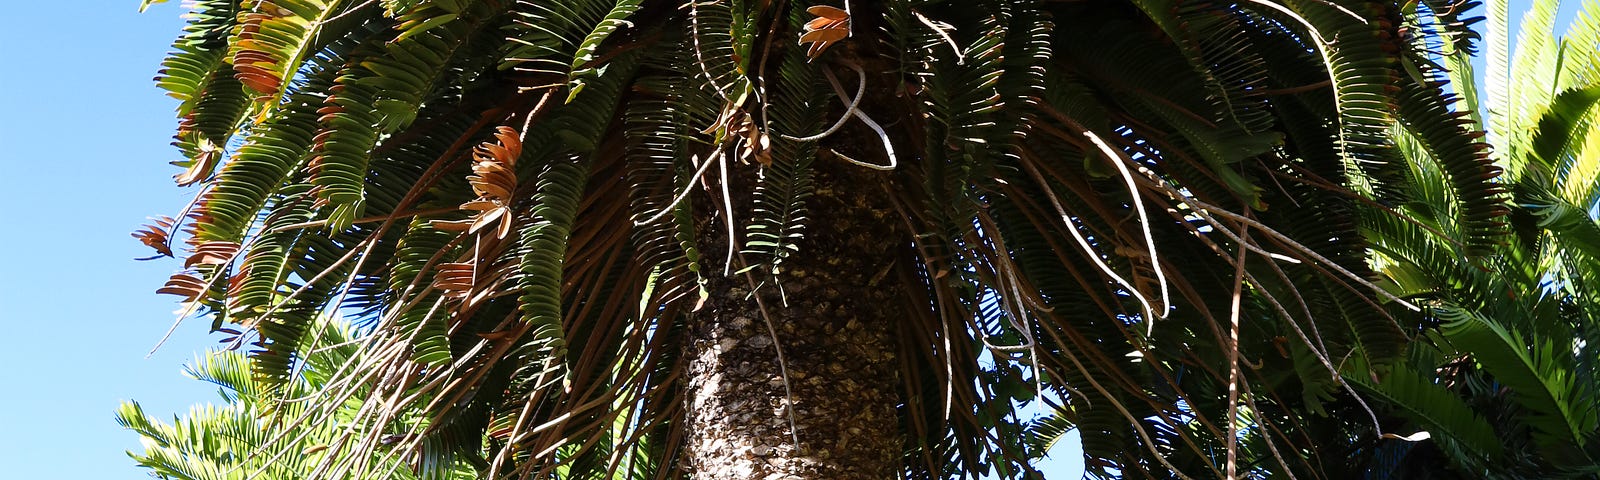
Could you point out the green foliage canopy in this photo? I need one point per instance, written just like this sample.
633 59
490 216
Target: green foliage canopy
1149 208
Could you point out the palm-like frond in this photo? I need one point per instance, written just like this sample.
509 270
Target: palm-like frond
240 439
1514 328
1147 211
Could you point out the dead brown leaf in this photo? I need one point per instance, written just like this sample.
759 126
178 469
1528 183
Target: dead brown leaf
156 235
831 26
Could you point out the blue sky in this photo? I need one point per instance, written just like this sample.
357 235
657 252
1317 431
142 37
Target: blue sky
84 139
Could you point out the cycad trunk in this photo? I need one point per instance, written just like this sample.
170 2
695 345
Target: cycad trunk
834 330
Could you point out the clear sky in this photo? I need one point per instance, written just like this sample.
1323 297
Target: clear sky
84 138
84 146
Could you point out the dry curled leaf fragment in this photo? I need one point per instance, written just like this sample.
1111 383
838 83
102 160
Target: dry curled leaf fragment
200 167
492 181
156 235
831 26
495 181
452 225
734 124
828 12
828 35
184 284
455 279
212 253
487 218
756 144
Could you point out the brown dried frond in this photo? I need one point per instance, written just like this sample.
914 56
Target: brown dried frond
199 214
253 64
184 284
734 125
495 181
452 225
214 252
830 26
241 314
493 178
156 235
231 340
455 279
200 167
492 181
506 151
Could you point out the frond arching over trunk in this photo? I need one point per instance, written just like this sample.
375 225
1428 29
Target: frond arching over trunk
1126 212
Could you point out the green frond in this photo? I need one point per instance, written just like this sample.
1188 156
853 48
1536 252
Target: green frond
1536 72
1534 371
285 333
266 265
232 441
1436 410
274 37
270 155
722 37
410 272
343 146
1564 120
1047 431
1361 68
1572 226
511 197
1580 49
1449 140
1220 52
614 20
415 63
549 36
1496 80
1026 57
381 91
960 98
558 186
196 73
778 217
1579 180
661 128
1456 22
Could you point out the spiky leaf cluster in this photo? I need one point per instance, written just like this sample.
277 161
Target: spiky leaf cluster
1132 208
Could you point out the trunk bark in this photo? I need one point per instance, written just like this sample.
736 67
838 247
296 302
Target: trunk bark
834 332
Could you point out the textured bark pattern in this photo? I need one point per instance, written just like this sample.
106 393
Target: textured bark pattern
834 333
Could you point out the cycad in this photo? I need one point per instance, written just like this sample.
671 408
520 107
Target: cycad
750 239
1507 386
227 442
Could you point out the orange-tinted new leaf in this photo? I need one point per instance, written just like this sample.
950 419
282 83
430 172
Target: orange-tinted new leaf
825 36
831 26
825 11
